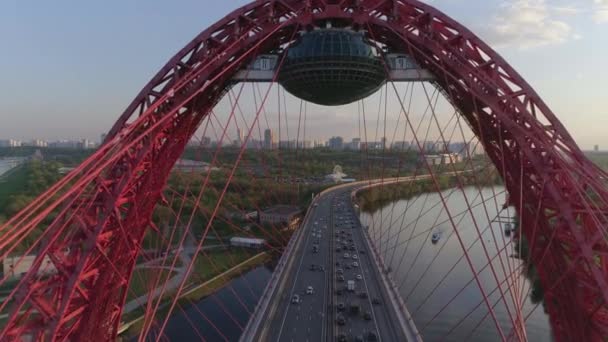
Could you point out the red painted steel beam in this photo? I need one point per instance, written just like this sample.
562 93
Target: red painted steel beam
500 107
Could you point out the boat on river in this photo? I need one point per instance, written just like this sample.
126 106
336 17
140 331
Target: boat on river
436 237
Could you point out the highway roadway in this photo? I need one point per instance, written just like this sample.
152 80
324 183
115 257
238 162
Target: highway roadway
332 229
305 320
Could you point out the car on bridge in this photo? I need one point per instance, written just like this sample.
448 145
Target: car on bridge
310 290
295 299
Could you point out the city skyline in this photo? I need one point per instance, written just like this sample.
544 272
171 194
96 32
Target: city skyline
57 84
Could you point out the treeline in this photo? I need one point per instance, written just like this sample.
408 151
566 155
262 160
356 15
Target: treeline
599 158
64 156
23 185
243 194
315 162
375 198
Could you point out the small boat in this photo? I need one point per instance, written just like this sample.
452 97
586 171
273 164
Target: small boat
435 238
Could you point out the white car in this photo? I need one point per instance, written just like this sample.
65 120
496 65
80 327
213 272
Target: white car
355 264
295 299
355 256
346 255
359 277
310 290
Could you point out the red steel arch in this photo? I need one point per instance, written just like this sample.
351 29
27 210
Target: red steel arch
108 208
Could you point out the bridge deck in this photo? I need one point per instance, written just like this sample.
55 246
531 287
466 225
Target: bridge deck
315 318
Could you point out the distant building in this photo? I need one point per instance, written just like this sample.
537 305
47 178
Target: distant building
87 144
355 144
337 176
240 139
268 139
443 159
289 144
10 143
102 138
186 165
247 242
72 144
400 145
336 143
281 214
596 148
36 143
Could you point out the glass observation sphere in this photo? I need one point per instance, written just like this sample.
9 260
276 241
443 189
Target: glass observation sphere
332 67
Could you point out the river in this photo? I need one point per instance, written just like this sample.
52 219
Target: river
410 253
223 315
7 164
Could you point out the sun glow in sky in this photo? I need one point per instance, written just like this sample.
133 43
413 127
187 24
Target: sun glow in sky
69 68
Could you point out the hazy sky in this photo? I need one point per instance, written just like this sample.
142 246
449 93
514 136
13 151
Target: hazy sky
69 67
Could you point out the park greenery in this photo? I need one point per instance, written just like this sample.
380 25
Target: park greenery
599 158
22 185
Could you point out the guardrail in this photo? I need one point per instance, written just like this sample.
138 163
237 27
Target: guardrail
403 315
254 322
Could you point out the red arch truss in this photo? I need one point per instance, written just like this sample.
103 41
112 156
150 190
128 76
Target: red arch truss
106 204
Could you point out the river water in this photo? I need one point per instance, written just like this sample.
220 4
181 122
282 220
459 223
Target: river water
223 315
410 254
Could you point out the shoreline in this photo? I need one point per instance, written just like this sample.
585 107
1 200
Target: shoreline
198 292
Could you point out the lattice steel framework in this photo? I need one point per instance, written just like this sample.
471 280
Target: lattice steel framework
561 193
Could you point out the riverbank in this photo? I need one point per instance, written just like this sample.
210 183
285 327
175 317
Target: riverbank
196 292
374 198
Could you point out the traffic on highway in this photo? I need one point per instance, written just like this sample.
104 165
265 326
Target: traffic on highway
331 289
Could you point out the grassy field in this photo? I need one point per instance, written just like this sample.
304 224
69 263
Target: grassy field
144 279
209 265
206 266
